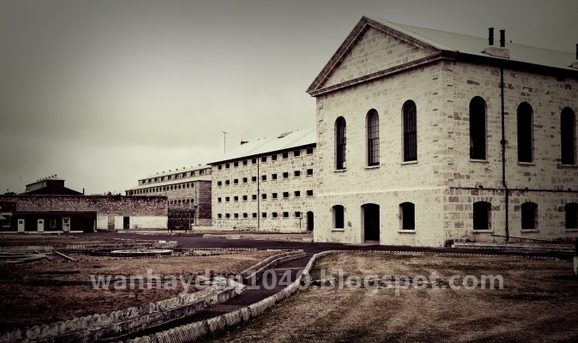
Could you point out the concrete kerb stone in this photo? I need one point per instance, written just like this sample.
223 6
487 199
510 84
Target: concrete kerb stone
96 326
256 271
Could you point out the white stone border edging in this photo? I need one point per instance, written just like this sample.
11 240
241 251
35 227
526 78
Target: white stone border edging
194 331
122 322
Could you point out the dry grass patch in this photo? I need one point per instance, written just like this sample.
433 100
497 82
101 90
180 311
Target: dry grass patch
537 303
26 304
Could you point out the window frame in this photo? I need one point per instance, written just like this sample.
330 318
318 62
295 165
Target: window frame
372 132
409 129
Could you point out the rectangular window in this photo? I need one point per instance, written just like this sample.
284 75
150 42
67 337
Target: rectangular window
244 180
297 193
309 172
245 215
254 215
236 198
227 215
264 196
227 182
274 157
264 214
274 176
285 194
219 183
309 151
285 214
297 173
254 197
53 223
297 153
274 214
227 199
236 215
236 181
298 214
227 165
219 215
309 192
220 167
254 161
264 159
285 155
218 199
274 195
285 175
264 177
236 164
245 162
254 179
244 198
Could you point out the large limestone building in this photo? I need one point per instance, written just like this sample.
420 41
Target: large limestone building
427 137
188 191
266 185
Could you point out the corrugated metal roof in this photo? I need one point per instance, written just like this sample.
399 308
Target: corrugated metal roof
173 182
279 142
475 45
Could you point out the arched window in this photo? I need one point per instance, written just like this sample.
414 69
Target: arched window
571 210
372 138
568 136
482 215
409 131
338 217
529 216
407 215
478 129
525 135
340 143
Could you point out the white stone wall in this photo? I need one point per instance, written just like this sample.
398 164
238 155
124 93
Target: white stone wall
232 212
443 183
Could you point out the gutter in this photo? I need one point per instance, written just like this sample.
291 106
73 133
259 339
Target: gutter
504 142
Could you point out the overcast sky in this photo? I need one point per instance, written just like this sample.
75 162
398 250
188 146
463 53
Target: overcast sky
104 92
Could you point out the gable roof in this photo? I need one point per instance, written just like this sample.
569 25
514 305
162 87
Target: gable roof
441 45
284 141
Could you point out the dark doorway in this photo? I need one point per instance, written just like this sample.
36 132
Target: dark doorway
371 222
87 225
126 223
310 223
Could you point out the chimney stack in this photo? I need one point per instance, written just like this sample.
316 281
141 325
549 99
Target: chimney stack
575 64
495 51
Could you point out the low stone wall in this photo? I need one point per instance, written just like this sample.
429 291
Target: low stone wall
122 322
194 331
256 271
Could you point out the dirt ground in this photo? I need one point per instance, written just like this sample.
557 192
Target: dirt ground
538 303
46 291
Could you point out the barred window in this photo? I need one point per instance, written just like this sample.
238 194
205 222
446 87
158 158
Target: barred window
372 138
525 144
409 131
478 129
568 136
340 143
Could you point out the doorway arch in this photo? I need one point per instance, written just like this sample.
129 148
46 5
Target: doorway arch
370 222
310 223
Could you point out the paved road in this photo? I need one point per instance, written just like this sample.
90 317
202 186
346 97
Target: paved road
262 288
